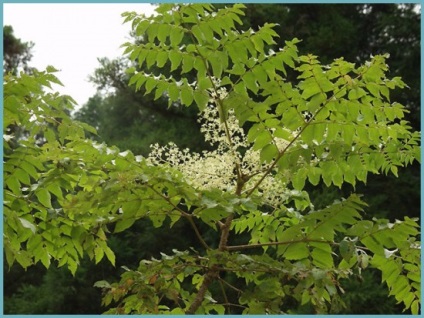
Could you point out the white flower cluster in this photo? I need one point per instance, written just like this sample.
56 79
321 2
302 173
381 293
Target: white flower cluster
208 170
217 168
214 130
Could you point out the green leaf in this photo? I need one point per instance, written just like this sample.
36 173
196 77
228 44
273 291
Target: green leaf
161 58
299 178
152 31
161 88
23 259
187 95
51 69
205 83
72 266
263 139
316 102
297 251
188 61
13 184
213 214
174 92
109 254
258 43
347 249
200 67
157 219
314 174
363 260
374 89
260 74
150 85
30 169
394 170
321 255
371 243
333 131
43 195
42 255
308 134
22 176
98 254
163 32
176 36
218 62
268 153
28 225
151 58
250 81
415 307
130 208
175 57
310 88
201 98
123 224
102 284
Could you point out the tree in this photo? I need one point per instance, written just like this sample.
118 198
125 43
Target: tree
337 123
16 54
133 120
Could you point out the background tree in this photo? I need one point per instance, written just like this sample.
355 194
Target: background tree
134 120
16 54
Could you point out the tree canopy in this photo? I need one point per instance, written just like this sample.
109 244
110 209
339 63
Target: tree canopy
336 123
16 54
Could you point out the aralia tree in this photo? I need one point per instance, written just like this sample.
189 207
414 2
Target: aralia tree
66 194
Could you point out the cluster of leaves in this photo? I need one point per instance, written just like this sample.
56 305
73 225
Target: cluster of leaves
343 124
65 193
41 168
132 120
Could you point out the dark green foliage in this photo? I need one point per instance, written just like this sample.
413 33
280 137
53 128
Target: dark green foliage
132 120
54 291
366 295
16 54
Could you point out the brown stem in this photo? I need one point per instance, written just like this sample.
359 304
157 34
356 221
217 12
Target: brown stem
225 233
248 246
189 217
224 294
222 281
210 276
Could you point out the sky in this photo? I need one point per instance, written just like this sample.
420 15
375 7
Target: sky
71 36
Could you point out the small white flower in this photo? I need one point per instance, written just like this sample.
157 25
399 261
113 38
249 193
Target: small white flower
7 138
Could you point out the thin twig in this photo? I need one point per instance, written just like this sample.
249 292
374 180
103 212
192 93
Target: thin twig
249 246
229 285
224 294
189 217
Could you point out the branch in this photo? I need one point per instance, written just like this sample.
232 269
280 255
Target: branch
249 246
281 154
209 277
225 233
224 294
229 285
189 217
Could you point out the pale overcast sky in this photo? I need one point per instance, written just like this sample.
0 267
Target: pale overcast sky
71 37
